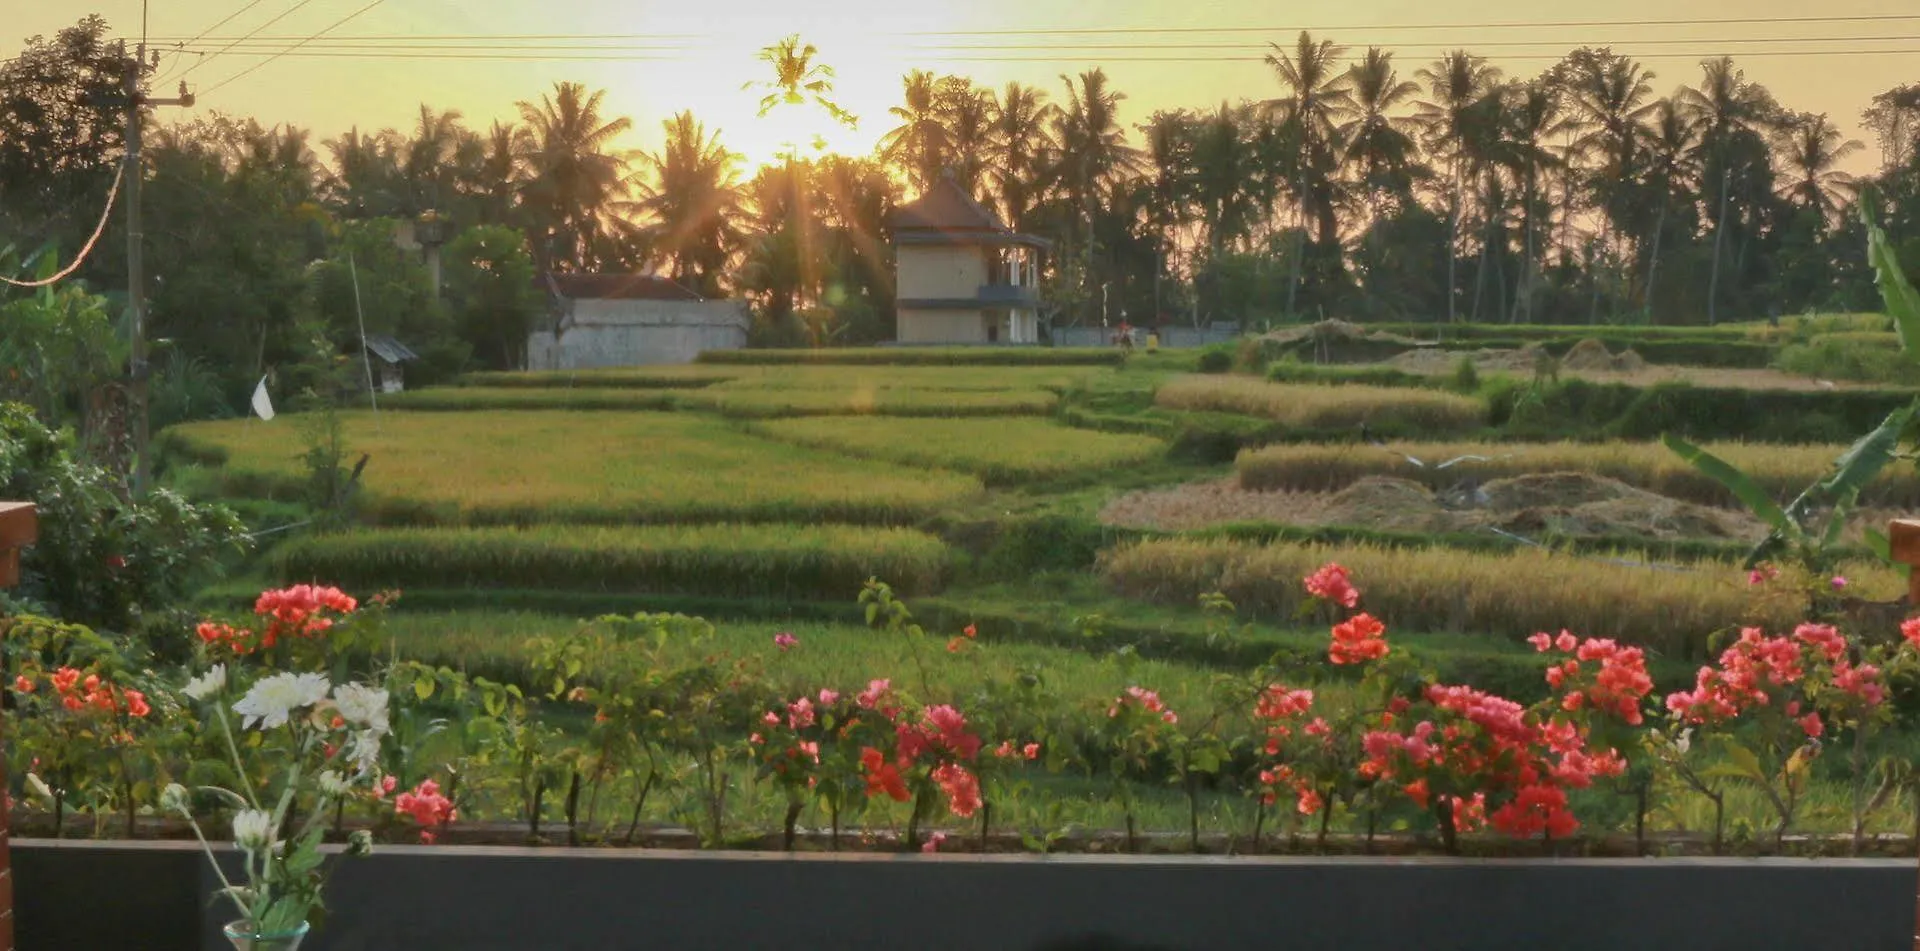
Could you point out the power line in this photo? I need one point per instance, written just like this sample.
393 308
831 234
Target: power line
1542 24
86 249
290 51
349 44
203 33
1579 24
588 56
283 15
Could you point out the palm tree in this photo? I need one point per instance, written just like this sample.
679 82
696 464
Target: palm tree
1809 148
1317 93
1378 148
919 145
692 199
572 178
1093 151
1533 116
1455 82
1608 93
798 81
1169 159
1726 106
499 172
428 162
365 176
1672 138
966 115
1022 149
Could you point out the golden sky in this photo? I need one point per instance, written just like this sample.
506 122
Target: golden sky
672 56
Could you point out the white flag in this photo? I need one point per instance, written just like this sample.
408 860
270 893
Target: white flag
261 404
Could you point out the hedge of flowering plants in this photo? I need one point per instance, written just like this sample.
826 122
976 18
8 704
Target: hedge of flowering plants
300 722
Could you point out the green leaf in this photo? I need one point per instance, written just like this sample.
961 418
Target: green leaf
1902 302
1882 545
1739 483
423 688
1744 760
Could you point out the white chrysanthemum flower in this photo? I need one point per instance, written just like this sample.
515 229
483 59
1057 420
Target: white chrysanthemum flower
332 783
252 829
174 799
362 706
207 684
270 700
363 751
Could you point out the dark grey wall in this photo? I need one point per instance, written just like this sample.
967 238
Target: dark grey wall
143 896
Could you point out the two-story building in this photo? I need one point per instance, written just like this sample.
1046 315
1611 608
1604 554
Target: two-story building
962 276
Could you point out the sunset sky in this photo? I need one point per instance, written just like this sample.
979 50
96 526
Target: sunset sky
655 58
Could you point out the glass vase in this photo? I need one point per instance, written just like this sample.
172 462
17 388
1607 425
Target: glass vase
245 939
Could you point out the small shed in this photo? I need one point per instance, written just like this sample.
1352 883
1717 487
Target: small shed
388 355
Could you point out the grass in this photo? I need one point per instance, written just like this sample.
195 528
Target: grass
533 467
1000 452
841 656
868 378
774 402
646 378
1782 470
1306 406
920 356
744 561
466 399
1505 595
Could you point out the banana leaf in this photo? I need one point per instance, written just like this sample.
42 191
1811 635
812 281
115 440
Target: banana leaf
1739 483
1901 300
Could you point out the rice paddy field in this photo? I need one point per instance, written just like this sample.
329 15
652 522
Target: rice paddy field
1073 506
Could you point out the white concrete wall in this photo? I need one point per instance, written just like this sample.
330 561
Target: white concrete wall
638 333
941 326
930 273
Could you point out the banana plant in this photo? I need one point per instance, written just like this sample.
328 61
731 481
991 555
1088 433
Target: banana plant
1809 527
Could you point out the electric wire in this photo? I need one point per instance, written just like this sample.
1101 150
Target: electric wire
86 249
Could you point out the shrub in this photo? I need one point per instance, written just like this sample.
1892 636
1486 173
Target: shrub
1859 355
745 561
1511 595
1000 452
1466 376
1782 470
1216 359
103 560
924 356
1326 407
533 467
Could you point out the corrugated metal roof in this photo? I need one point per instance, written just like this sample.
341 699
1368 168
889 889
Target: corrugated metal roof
389 349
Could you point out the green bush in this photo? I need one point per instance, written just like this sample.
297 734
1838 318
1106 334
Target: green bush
1865 356
104 560
737 561
1216 359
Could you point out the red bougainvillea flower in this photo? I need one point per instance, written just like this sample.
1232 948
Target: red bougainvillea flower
1331 583
1616 687
1536 808
22 684
136 703
970 631
1145 699
1812 725
1031 751
65 679
954 645
1358 640
1911 631
882 777
961 786
427 807
1862 682
1277 701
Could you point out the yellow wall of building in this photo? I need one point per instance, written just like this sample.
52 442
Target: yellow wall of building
941 326
930 273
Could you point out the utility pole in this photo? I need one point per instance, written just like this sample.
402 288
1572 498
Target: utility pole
136 276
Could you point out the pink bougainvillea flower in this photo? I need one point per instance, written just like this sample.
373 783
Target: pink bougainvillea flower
1332 583
1839 582
933 842
962 788
1541 642
785 641
829 697
1031 751
427 807
1812 725
875 693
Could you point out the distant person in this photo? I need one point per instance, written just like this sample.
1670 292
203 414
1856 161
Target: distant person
1125 337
